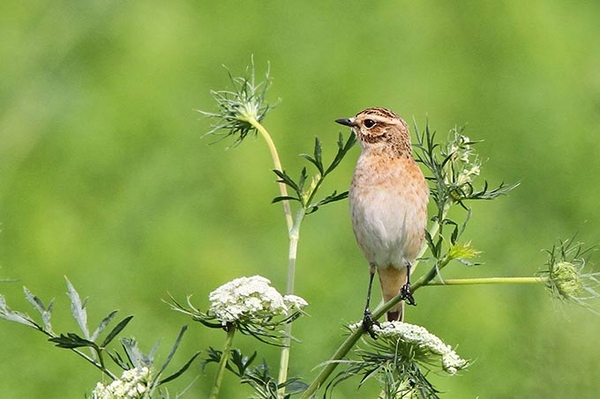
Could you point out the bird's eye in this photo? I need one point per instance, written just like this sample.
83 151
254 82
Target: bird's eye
369 123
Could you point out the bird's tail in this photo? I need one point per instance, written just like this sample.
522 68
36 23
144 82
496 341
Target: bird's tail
392 279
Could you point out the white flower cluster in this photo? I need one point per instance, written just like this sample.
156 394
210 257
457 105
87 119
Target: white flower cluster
251 298
133 384
419 337
463 160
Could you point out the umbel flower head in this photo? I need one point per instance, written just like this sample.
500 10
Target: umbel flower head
248 304
396 359
565 278
133 384
241 107
414 343
251 299
421 345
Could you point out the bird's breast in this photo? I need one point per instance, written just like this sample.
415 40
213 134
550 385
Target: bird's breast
388 205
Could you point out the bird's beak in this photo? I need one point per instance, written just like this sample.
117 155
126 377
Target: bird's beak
346 122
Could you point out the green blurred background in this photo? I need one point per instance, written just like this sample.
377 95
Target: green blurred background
104 177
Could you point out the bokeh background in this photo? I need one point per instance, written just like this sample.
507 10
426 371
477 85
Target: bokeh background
104 176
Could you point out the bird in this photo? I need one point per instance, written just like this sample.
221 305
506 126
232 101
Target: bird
388 199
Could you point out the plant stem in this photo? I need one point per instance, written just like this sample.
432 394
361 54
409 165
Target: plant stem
223 362
292 254
93 362
277 163
293 225
490 280
331 364
99 366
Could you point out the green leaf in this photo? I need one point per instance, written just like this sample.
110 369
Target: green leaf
180 371
45 312
287 180
285 198
214 356
317 160
343 149
115 331
116 357
136 357
72 341
12 315
430 243
78 309
301 181
173 349
333 197
294 386
103 325
241 362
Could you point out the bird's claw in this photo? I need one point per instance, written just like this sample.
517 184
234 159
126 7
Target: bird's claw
368 323
406 295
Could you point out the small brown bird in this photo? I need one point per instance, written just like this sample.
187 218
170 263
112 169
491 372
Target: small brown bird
388 204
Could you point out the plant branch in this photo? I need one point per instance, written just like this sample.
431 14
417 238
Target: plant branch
277 164
490 280
223 361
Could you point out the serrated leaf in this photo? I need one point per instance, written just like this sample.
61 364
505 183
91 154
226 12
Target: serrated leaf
12 315
34 301
72 341
136 357
287 180
342 151
78 309
115 331
103 325
45 312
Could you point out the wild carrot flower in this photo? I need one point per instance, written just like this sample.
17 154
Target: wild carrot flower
133 384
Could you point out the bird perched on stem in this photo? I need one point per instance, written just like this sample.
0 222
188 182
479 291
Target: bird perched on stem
388 204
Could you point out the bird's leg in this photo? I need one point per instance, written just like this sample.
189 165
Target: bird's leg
405 293
368 322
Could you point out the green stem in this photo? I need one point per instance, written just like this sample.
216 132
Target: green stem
277 163
331 364
223 362
490 280
293 225
292 254
98 365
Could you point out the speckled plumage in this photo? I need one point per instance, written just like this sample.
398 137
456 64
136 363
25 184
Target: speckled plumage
388 199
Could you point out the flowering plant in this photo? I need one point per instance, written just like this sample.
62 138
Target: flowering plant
401 355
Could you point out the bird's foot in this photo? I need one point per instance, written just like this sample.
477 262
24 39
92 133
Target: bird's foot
406 295
368 323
